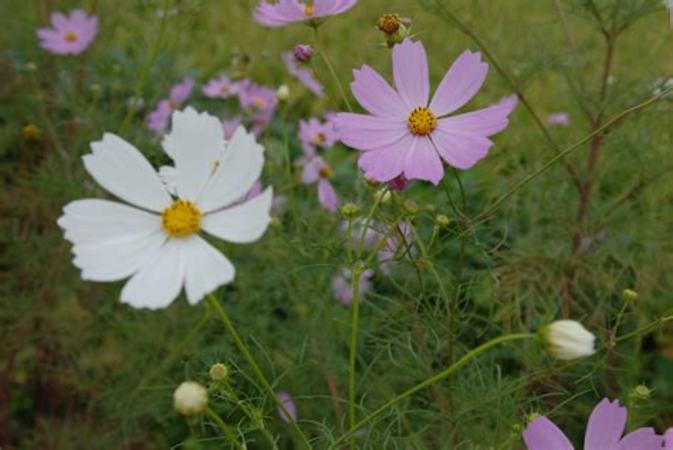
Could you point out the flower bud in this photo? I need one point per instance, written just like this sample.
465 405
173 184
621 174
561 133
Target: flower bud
410 207
349 210
303 53
629 295
218 372
389 23
190 399
383 195
641 392
567 340
283 93
442 221
30 131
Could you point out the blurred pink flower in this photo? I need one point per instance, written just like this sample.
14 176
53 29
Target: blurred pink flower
302 53
406 133
288 403
314 133
229 126
260 102
69 35
220 87
604 432
285 12
303 74
561 119
342 285
317 171
159 119
400 240
668 439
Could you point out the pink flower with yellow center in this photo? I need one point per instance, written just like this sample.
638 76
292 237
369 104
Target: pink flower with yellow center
316 171
285 12
406 132
69 35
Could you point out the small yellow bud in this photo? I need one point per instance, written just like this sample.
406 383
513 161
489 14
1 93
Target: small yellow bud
349 210
410 207
442 221
641 392
30 131
629 295
218 372
283 93
383 195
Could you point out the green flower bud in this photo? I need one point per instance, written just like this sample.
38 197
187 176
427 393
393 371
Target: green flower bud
629 295
218 372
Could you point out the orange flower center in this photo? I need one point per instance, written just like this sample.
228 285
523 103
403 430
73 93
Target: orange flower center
422 121
308 11
71 36
319 139
181 219
326 172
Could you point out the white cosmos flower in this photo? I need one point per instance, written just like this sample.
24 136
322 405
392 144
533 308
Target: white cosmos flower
156 239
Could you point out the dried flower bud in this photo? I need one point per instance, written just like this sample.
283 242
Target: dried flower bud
389 23
303 53
218 372
190 399
567 340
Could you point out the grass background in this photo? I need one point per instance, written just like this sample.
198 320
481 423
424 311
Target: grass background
80 370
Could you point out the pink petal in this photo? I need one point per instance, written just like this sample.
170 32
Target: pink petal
290 407
375 95
423 163
458 150
460 84
668 439
542 434
60 21
327 195
311 172
483 122
365 132
606 425
386 163
641 439
410 69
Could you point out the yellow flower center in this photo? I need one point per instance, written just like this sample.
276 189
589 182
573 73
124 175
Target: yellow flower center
422 121
71 36
319 139
181 219
326 172
308 11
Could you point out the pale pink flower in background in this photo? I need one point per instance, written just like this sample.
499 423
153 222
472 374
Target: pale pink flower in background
260 102
290 406
316 171
314 133
604 432
69 35
220 87
372 235
561 119
397 242
229 126
285 12
342 285
303 74
408 133
158 120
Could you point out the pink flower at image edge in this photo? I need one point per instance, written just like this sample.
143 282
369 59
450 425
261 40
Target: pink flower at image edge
405 133
69 35
285 12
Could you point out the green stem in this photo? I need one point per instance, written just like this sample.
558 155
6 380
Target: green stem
644 330
331 70
355 318
215 304
225 428
432 380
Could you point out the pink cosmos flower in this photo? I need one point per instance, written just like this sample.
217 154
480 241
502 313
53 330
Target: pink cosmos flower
397 242
561 119
604 432
317 171
406 134
314 133
285 12
303 74
342 285
69 35
668 439
260 101
220 87
288 403
158 119
229 126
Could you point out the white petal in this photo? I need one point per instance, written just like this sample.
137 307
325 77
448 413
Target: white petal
195 143
239 168
242 223
123 171
111 240
160 280
205 269
169 175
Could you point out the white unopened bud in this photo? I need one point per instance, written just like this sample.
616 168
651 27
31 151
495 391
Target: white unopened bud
190 399
283 93
567 340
